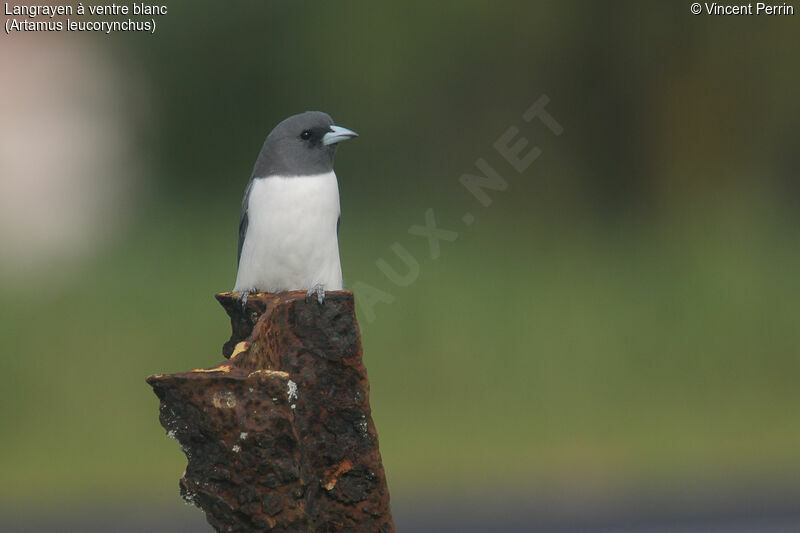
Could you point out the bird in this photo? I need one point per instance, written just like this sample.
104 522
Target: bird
289 226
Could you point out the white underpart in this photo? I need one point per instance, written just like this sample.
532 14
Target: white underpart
291 241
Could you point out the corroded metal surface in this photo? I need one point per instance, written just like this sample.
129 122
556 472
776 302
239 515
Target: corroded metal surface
280 436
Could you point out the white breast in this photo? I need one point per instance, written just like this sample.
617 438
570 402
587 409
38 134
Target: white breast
291 240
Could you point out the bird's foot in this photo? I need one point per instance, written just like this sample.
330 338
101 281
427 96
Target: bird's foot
319 291
243 295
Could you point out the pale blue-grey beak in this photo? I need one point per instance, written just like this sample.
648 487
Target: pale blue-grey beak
337 134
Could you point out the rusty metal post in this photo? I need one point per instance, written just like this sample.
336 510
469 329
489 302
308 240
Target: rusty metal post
280 436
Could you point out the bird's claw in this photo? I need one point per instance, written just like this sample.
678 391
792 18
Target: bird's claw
319 291
243 297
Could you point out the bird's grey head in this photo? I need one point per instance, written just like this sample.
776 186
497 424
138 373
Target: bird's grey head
301 145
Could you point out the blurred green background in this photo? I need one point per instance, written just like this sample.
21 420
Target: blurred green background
624 315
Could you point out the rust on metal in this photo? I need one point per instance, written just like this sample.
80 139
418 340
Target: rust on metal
280 436
333 476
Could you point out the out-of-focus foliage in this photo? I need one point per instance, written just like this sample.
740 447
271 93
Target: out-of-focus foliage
625 313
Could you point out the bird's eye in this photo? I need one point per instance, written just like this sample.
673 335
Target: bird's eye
306 135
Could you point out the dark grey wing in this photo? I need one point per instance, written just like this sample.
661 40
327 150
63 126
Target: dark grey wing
338 223
243 221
